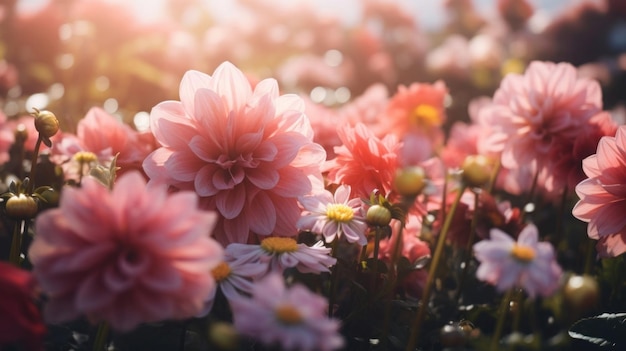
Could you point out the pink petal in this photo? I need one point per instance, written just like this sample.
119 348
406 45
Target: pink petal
170 114
262 214
191 82
203 181
230 203
232 85
183 165
92 294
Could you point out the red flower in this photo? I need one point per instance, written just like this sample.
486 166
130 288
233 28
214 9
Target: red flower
20 321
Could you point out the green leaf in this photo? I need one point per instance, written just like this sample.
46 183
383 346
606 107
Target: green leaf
606 331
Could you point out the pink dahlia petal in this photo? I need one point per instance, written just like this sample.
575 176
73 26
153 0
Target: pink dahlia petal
262 214
167 115
232 86
230 203
192 81
183 166
612 245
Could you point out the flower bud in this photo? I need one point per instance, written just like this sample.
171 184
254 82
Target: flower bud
50 197
581 293
476 170
21 207
410 181
46 123
224 336
378 215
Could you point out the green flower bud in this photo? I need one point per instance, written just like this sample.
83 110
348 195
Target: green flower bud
378 215
476 170
21 207
46 123
410 181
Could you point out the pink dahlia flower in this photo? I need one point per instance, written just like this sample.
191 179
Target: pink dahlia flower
364 162
334 215
418 108
526 263
103 135
127 256
247 153
532 113
293 318
603 195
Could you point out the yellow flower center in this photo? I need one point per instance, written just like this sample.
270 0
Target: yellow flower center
279 245
426 116
523 253
288 314
85 157
339 212
221 271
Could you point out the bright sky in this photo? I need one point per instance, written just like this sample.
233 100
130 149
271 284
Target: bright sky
428 12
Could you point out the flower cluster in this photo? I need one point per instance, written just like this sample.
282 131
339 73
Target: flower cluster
290 180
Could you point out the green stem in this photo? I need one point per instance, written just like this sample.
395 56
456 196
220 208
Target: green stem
16 243
375 258
333 278
530 197
33 166
590 256
468 247
502 313
421 312
102 334
494 176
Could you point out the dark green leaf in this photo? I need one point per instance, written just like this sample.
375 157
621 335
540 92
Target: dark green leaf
607 330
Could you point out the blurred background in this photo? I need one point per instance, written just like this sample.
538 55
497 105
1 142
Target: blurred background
126 56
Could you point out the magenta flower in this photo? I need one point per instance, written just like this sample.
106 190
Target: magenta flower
526 263
334 215
248 153
293 318
126 257
276 254
603 195
532 113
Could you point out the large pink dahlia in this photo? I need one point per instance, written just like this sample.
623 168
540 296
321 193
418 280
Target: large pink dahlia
248 153
533 113
128 256
603 195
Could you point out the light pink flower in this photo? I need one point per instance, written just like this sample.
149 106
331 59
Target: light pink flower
279 253
527 263
566 168
234 278
103 135
248 153
364 162
128 256
334 215
603 195
7 137
293 318
531 113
